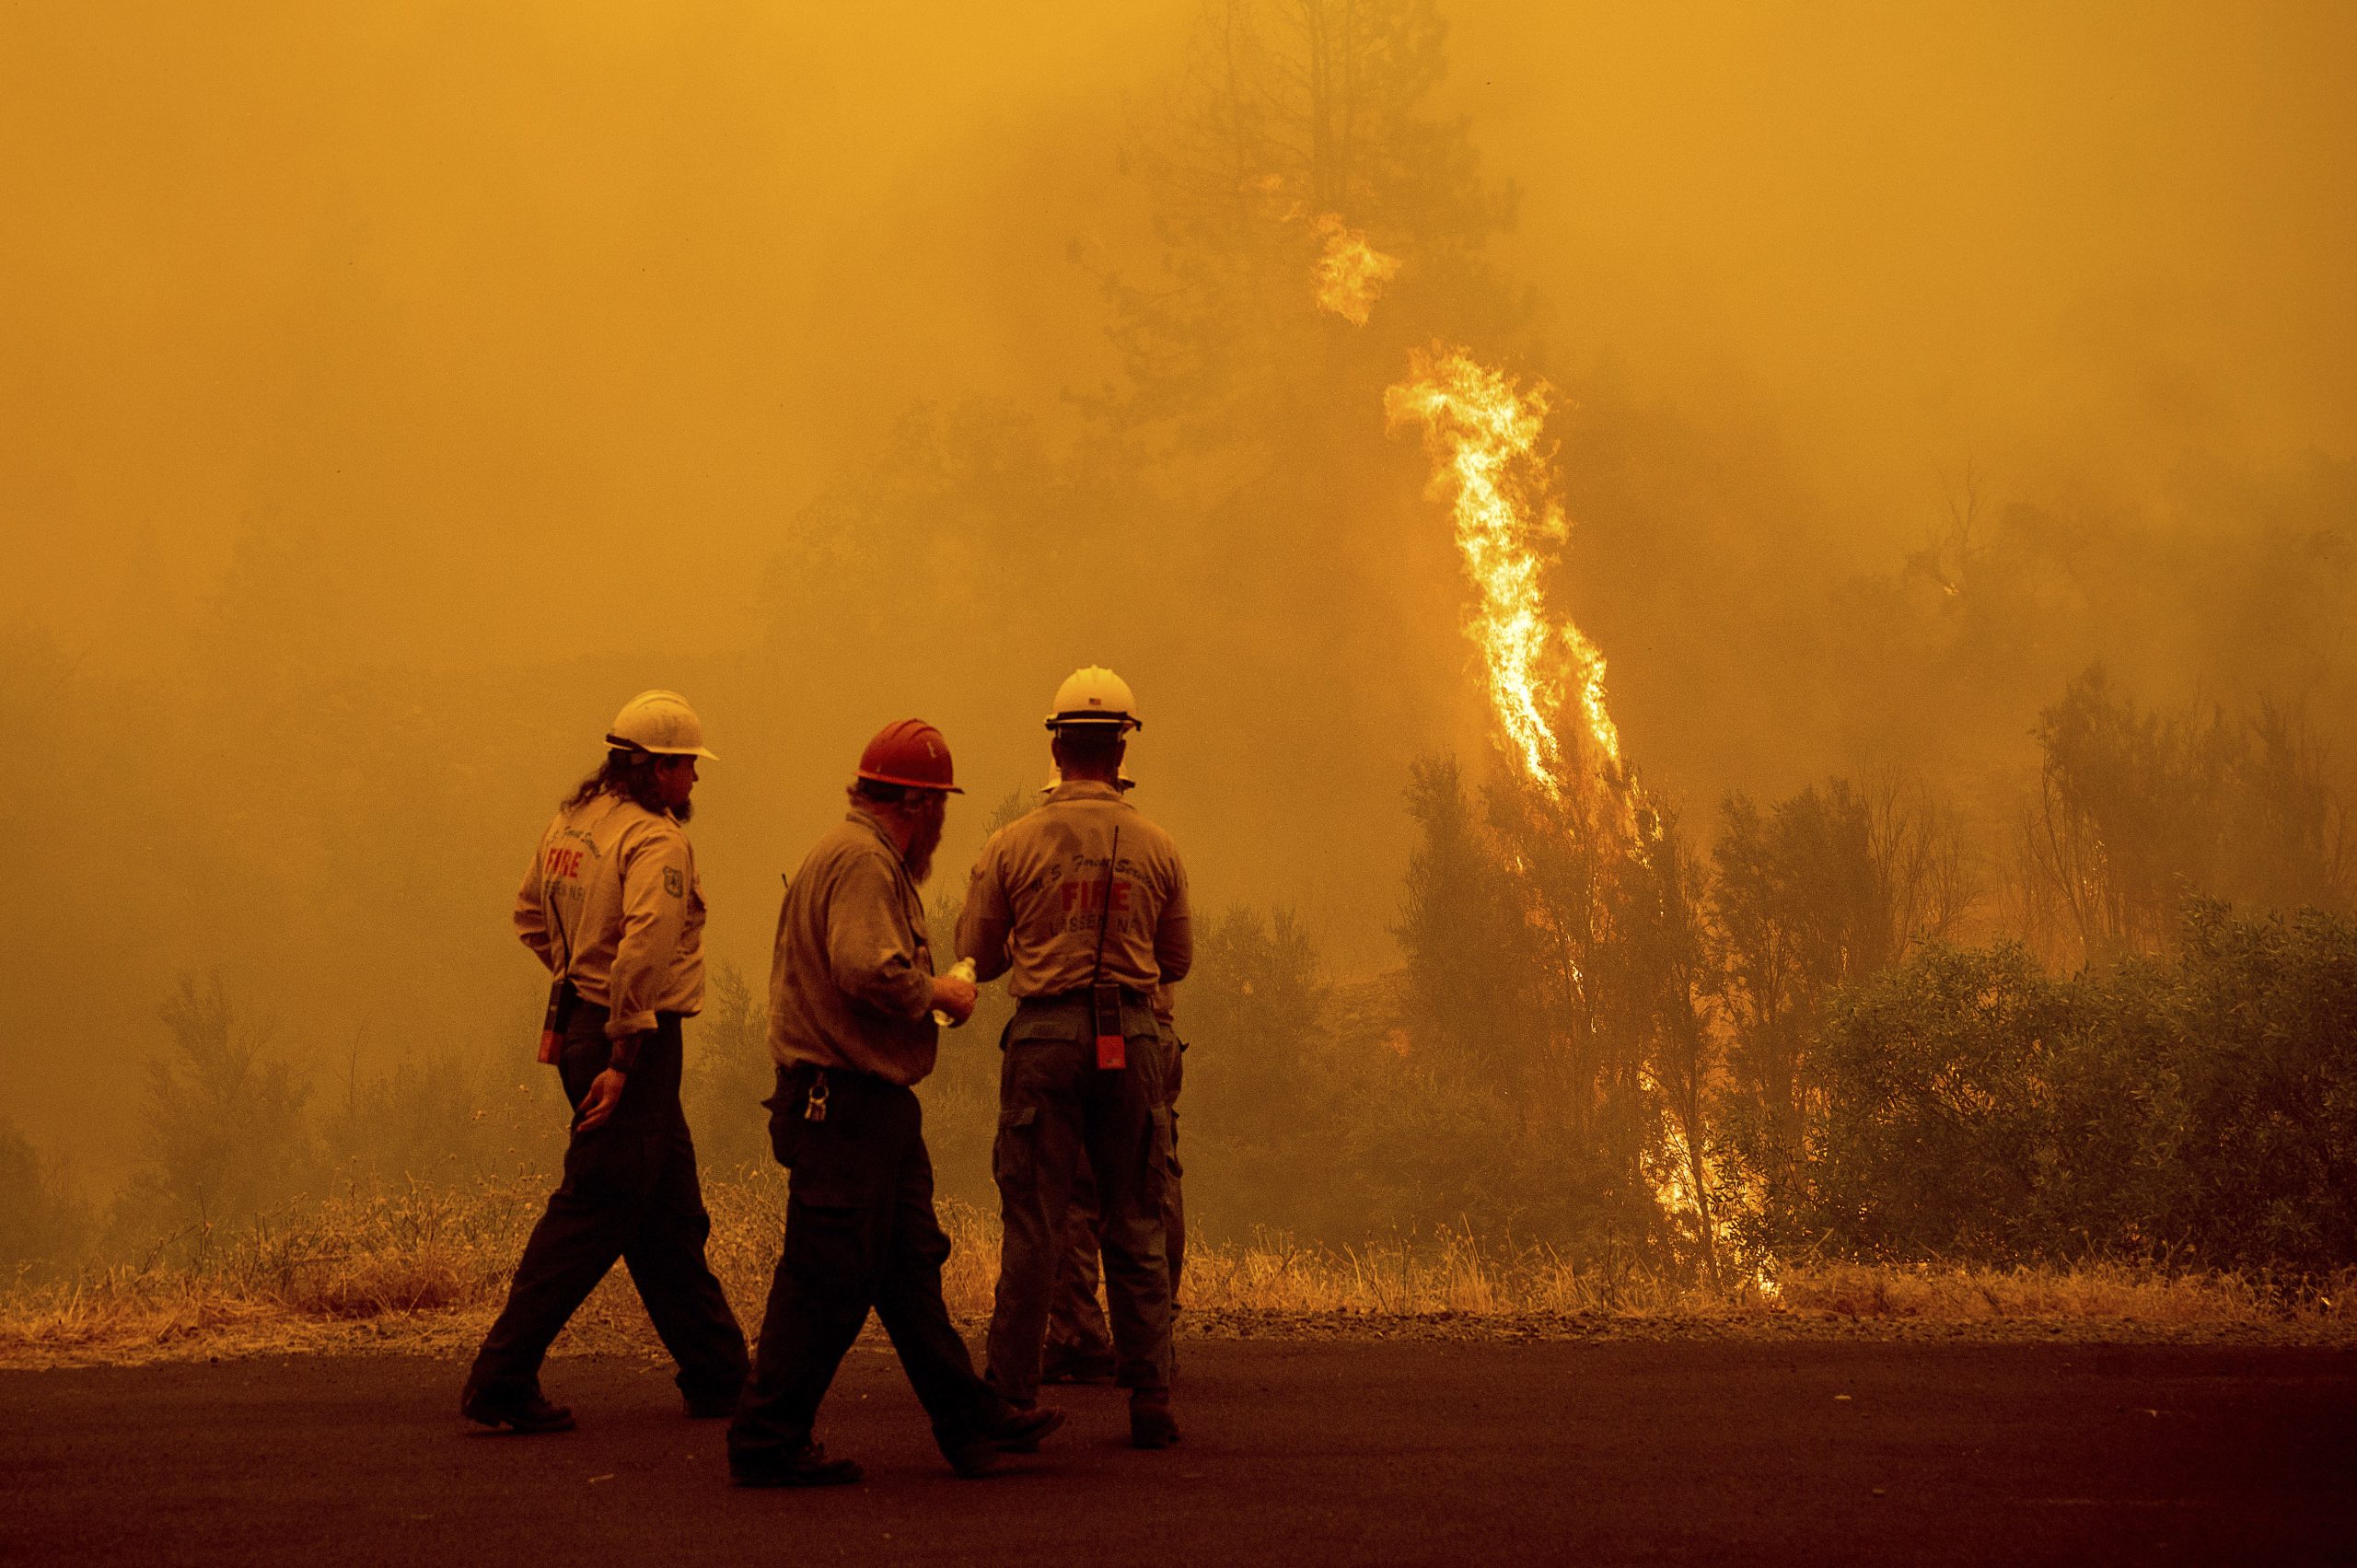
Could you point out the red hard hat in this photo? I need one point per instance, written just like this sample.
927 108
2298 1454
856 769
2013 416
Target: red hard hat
909 752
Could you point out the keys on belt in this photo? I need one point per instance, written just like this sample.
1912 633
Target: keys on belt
814 1109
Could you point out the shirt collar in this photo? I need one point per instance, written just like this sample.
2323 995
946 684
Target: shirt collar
867 820
1086 789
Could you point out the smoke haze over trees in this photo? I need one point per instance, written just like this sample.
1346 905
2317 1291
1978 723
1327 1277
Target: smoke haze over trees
1953 423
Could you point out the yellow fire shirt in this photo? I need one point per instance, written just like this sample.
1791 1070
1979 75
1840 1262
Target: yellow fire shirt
1040 885
614 904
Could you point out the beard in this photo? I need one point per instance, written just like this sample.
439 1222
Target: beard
684 810
918 858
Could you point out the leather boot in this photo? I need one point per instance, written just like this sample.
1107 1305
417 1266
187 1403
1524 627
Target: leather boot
529 1414
1151 1423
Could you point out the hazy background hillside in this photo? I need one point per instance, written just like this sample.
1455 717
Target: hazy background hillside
388 393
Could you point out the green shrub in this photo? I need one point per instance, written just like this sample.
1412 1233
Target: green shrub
2202 1106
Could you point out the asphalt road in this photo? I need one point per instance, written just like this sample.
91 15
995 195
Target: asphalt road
1295 1452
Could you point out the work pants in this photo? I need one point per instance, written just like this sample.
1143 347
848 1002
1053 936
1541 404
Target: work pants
1077 1329
1056 1108
629 1192
860 1235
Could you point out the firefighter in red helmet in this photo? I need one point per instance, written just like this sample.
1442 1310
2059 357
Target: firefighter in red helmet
852 994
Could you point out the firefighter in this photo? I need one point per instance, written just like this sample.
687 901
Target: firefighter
1083 904
853 996
1080 1346
613 908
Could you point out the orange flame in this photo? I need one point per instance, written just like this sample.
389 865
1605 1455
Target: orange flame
1349 273
1672 1175
1484 433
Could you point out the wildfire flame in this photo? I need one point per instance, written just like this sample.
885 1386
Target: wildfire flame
1673 1177
1349 273
1484 433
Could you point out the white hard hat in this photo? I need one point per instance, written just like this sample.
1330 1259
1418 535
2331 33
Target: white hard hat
659 722
1095 695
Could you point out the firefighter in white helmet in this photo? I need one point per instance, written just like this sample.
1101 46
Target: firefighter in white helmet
1082 903
613 908
1080 1346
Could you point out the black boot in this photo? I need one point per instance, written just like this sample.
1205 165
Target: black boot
806 1466
1019 1431
1016 1431
1151 1423
1071 1363
529 1414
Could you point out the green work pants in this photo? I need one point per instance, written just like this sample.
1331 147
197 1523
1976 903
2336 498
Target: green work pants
1057 1109
1076 1327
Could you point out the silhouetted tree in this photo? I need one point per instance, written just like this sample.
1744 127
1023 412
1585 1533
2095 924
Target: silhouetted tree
2128 817
1469 953
1287 111
2141 809
2286 839
1535 974
45 1220
1259 1100
1442 1121
730 1073
225 1136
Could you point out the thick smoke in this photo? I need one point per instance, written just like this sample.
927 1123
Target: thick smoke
384 397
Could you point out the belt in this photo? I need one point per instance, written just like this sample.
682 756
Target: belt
850 1075
1082 993
582 1004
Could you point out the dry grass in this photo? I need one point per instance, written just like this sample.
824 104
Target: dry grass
2089 1291
423 1269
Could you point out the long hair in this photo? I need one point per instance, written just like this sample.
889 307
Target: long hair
630 774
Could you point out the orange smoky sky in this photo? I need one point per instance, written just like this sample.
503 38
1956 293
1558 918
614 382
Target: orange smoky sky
445 373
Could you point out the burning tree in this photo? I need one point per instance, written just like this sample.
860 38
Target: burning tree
1531 1118
1622 1047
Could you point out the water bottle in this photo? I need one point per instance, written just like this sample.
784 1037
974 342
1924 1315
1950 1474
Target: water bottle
962 969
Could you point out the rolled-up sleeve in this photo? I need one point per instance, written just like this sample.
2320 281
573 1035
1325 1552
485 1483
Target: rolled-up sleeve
871 950
658 871
1174 934
532 912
